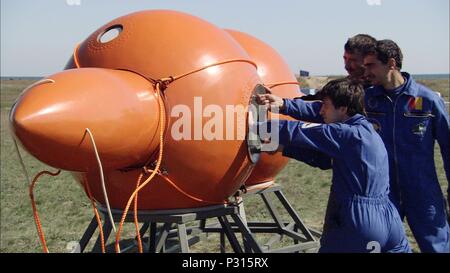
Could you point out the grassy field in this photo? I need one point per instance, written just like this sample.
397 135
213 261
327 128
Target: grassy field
65 211
441 86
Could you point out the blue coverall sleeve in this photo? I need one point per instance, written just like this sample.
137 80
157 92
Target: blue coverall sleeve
303 110
308 156
441 130
325 138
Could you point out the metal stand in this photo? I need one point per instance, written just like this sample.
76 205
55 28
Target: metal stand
173 227
158 238
304 239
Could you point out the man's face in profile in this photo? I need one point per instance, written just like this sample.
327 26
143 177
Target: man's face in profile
354 65
376 72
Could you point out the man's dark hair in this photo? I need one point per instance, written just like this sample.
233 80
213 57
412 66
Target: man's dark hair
345 92
386 49
360 43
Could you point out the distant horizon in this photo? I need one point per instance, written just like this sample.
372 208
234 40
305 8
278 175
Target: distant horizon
297 75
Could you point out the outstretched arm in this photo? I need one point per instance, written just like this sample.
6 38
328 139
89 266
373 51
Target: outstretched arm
303 110
325 138
296 108
308 156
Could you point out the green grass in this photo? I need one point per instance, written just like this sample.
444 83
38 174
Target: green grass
441 86
65 210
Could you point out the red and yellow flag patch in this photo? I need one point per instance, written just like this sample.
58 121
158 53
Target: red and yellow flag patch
415 104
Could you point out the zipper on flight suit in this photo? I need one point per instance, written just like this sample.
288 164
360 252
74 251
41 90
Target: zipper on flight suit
395 148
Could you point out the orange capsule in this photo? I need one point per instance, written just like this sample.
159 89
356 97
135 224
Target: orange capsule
120 109
273 71
197 169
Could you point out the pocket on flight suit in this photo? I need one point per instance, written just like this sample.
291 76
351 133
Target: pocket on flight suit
416 125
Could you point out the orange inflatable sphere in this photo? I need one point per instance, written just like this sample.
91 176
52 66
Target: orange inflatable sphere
275 74
51 117
197 168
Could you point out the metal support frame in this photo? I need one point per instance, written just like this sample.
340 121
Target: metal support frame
304 239
173 227
185 236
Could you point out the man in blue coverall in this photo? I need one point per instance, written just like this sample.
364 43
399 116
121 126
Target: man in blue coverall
410 118
360 218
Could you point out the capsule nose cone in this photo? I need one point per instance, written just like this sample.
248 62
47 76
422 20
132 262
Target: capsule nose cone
50 119
37 108
20 114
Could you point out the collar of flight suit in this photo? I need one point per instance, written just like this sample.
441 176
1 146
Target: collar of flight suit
410 88
354 119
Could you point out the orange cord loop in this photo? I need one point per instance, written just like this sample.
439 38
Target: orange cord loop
272 85
35 212
97 215
158 164
75 56
162 84
38 221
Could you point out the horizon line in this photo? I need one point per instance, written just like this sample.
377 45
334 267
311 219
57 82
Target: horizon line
297 75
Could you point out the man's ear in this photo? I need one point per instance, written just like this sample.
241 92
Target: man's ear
392 63
343 109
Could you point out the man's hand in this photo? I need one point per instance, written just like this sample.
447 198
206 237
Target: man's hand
270 100
278 150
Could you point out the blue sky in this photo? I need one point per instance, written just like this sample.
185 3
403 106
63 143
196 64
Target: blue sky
38 36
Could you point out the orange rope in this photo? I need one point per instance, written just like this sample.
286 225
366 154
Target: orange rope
214 64
158 164
35 212
185 193
166 81
97 215
272 85
136 223
75 56
36 215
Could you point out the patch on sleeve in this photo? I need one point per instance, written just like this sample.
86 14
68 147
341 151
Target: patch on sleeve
419 129
309 125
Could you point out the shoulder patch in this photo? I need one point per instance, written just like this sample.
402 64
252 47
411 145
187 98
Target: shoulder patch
309 125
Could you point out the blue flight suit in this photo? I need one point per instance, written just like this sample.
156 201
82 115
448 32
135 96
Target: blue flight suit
410 119
360 216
